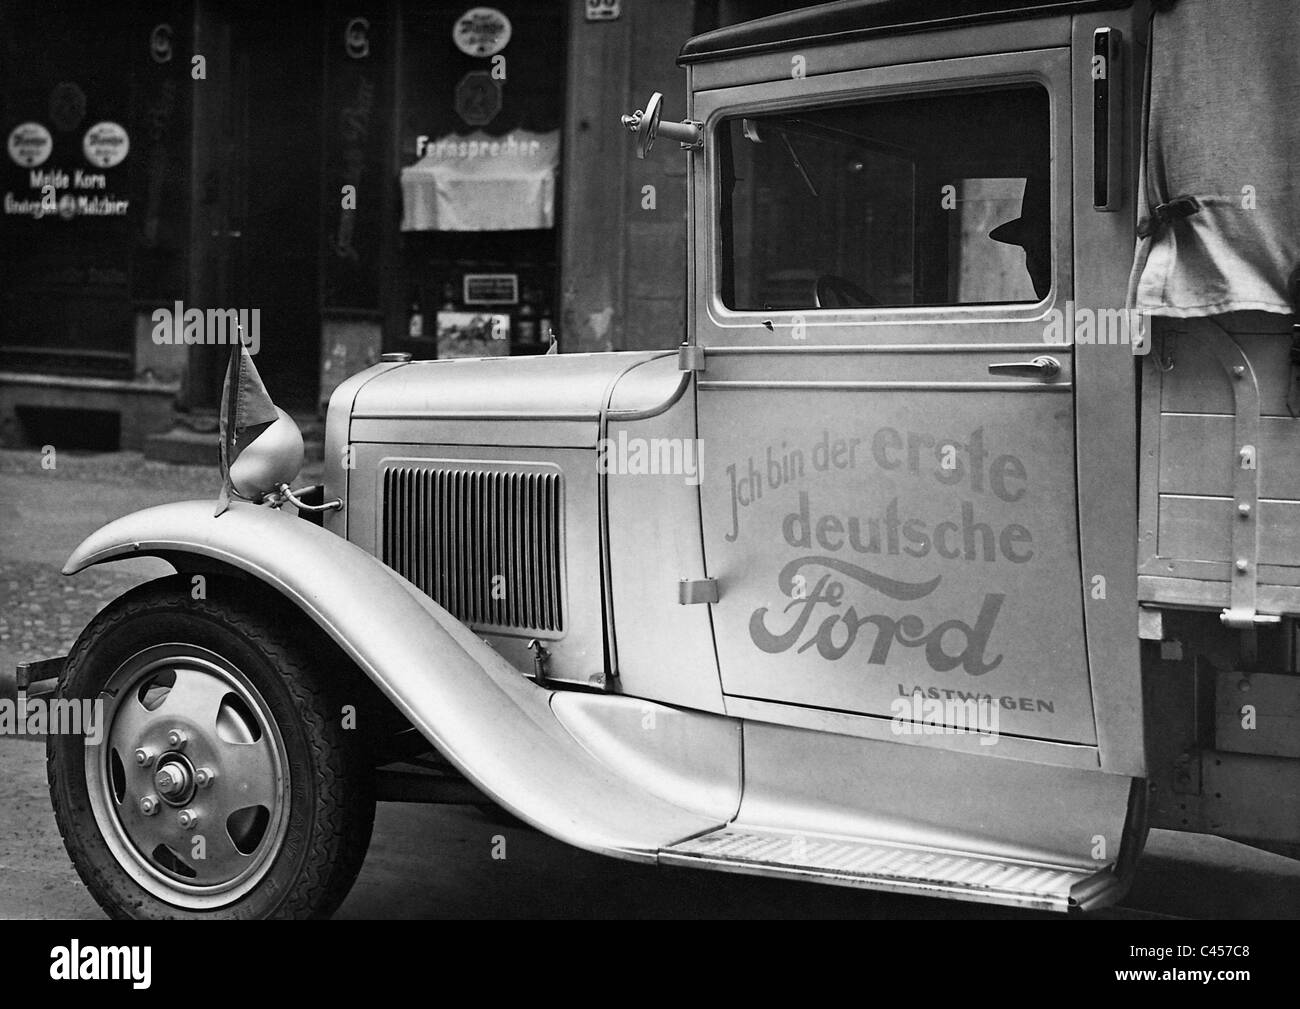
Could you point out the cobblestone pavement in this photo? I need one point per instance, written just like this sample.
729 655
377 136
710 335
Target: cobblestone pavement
46 512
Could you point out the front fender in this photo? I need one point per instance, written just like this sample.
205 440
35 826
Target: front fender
498 728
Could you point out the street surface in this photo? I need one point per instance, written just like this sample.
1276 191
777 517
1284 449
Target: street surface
437 862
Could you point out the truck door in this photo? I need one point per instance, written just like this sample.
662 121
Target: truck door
886 411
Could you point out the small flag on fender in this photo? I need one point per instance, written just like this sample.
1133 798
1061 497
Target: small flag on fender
246 411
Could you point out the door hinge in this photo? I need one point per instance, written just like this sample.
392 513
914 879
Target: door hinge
697 590
690 357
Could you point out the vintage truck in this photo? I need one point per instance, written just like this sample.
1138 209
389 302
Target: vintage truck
955 547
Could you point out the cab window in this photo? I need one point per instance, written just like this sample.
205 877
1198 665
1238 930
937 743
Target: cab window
941 199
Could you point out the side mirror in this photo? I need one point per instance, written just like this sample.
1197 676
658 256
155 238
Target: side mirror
647 127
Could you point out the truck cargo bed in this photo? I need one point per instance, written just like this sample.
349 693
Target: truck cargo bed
1219 523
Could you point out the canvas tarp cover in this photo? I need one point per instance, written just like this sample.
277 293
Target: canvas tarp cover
1223 127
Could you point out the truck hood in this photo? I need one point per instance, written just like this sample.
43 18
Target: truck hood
554 387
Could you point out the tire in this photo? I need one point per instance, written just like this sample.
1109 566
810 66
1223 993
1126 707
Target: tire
286 806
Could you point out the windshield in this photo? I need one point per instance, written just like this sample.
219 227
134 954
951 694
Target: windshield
941 199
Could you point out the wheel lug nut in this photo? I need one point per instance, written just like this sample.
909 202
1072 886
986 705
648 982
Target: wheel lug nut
203 776
149 805
176 738
188 818
144 757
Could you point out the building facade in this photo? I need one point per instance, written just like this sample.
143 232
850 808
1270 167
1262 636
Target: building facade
335 179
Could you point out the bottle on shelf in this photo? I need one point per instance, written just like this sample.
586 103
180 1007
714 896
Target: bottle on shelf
415 321
526 319
545 327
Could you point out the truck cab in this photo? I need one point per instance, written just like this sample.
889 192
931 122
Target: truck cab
917 566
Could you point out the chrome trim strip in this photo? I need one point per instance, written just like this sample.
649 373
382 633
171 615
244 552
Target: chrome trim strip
885 348
683 384
476 415
602 512
726 385
338 438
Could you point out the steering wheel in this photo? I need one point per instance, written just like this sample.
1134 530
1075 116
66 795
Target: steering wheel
832 291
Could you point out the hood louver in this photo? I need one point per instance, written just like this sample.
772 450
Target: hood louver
483 540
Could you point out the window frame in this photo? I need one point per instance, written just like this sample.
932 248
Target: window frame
929 268
714 323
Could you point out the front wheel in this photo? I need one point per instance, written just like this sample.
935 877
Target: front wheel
216 777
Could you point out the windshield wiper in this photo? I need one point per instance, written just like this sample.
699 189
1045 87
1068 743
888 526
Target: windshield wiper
794 156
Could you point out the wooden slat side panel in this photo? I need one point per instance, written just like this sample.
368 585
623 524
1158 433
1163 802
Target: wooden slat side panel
1198 456
1197 384
1200 528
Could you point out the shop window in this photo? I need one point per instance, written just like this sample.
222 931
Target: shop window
480 138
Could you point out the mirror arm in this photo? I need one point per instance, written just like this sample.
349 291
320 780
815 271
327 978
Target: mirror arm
688 132
646 125
283 495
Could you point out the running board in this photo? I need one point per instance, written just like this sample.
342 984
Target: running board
900 868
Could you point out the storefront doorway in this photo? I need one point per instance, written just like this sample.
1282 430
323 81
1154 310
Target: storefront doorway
257 191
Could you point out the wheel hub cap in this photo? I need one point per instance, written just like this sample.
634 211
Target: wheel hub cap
201 825
175 781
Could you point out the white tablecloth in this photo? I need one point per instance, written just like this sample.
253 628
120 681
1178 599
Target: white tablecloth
483 183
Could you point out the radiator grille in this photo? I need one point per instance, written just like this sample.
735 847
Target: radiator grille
484 543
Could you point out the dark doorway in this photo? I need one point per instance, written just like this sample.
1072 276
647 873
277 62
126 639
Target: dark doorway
261 193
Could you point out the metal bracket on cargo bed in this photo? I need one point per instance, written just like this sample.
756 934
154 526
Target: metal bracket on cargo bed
1246 619
1243 588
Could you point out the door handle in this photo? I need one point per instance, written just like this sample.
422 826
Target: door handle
1047 367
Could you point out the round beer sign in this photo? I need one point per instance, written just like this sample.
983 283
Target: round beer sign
481 31
29 145
106 144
